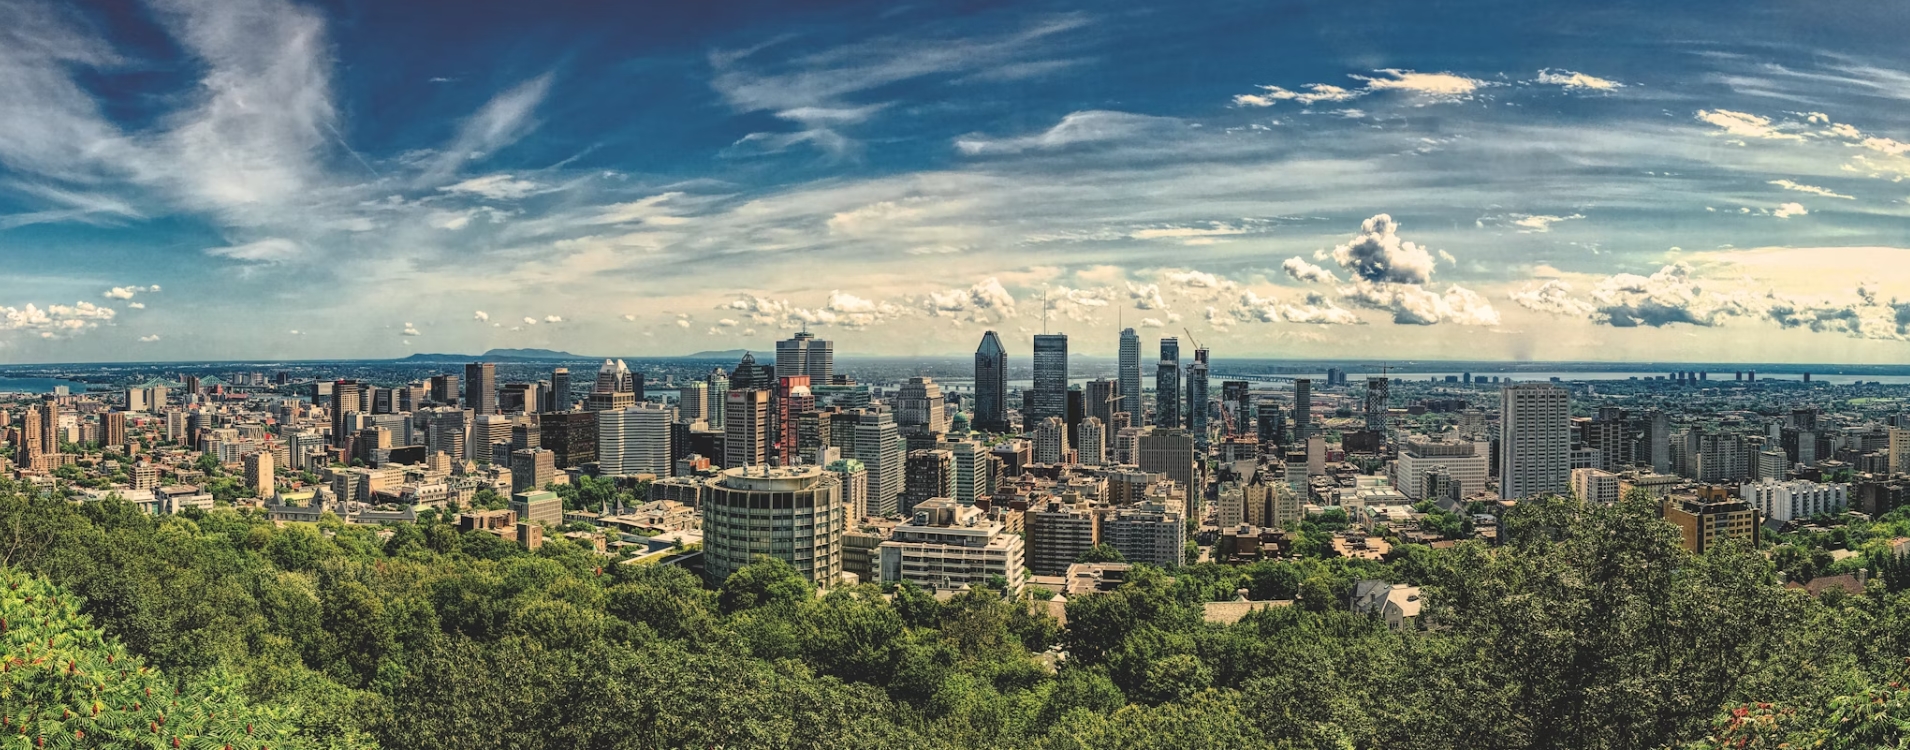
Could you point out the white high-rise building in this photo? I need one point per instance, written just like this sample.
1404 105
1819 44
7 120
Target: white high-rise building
1051 441
971 470
880 447
635 440
1789 501
948 546
1535 440
1092 445
1595 485
1465 462
855 487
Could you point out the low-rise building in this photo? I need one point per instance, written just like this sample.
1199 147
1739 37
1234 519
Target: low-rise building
948 546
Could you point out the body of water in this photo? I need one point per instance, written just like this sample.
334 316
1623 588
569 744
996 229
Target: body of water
38 385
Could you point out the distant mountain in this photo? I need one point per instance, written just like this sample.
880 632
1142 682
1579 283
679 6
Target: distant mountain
724 354
498 355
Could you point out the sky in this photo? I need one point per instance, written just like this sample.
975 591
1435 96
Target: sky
266 179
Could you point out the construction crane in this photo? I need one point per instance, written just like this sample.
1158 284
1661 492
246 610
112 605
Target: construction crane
1190 337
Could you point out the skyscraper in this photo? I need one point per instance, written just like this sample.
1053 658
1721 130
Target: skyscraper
1167 384
480 388
1535 442
991 385
719 388
1198 410
1378 396
877 443
745 429
444 389
635 440
919 408
1302 409
1051 378
928 474
345 404
559 399
1091 448
1101 398
804 354
1128 375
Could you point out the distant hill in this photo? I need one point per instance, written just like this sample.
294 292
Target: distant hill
498 355
724 354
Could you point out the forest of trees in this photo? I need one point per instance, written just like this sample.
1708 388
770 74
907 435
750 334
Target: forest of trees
1589 628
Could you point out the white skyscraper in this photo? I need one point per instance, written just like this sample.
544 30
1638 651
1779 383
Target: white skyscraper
635 440
1092 444
878 445
1535 444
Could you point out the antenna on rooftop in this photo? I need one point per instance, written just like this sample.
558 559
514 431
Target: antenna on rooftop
1044 310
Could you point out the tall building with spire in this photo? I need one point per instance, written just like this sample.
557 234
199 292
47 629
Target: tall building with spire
1167 384
806 355
1128 375
991 385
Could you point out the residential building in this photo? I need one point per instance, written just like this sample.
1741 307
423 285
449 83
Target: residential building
1795 500
538 506
1091 445
1595 486
854 478
1152 533
259 474
1051 441
1535 449
928 474
1170 452
1711 518
948 546
1465 463
1059 530
972 479
794 514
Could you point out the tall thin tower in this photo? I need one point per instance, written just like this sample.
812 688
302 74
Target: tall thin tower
1167 384
1128 374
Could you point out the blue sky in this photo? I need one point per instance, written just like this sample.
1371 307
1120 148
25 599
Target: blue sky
186 179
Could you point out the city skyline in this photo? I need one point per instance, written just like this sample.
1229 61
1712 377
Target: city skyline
190 181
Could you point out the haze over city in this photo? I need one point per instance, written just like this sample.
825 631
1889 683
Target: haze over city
186 180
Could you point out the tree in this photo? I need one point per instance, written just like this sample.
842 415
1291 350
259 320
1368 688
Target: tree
1101 553
765 582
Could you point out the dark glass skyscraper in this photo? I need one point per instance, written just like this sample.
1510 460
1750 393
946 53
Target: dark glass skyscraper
480 388
991 385
1197 407
1167 384
1128 375
1051 377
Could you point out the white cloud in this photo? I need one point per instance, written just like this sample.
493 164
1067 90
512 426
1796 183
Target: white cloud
1789 210
1151 323
1554 297
984 300
481 316
1077 128
553 319
682 323
503 120
1315 92
1541 222
1668 296
409 330
1146 296
1442 85
136 305
497 187
1575 80
1812 189
1744 125
127 292
651 210
54 318
629 317
149 339
1300 270
1378 254
270 250
530 321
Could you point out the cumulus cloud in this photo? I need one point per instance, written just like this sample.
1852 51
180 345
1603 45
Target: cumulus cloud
1575 80
149 339
54 319
1812 189
1151 323
629 317
1377 254
530 321
1079 304
1146 296
1318 309
1300 270
1553 297
127 292
978 303
1744 124
1436 86
841 309
1668 296
1390 273
1441 85
136 305
1788 210
481 316
409 330
682 323
553 319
